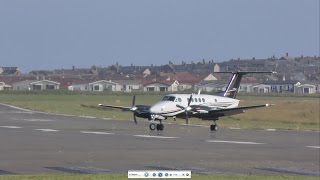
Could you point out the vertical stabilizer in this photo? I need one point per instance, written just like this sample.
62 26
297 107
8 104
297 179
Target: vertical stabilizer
234 83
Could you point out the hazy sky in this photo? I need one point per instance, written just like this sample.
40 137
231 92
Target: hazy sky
43 34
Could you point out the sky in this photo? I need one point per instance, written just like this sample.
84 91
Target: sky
55 34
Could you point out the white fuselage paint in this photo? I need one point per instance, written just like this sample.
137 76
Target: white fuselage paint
168 108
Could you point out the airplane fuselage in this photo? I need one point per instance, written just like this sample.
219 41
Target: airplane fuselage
171 104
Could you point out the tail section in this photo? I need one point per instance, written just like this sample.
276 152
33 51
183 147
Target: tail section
233 86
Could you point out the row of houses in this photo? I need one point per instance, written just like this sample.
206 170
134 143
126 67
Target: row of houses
248 86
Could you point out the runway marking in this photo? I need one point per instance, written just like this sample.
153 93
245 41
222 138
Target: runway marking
234 128
11 127
15 107
270 129
315 147
232 142
95 132
159 137
47 130
88 117
37 120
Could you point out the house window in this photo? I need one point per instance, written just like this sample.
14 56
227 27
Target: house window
163 89
36 87
96 88
306 90
49 87
150 89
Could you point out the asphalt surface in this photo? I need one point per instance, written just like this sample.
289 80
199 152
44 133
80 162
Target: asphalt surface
34 143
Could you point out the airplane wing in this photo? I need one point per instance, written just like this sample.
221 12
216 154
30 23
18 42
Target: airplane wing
232 111
123 108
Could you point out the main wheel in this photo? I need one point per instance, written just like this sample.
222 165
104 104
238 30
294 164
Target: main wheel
213 127
161 127
152 126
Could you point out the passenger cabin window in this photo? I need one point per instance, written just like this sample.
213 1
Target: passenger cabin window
195 99
203 100
179 99
199 99
169 98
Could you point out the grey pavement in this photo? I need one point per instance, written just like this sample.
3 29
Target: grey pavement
34 143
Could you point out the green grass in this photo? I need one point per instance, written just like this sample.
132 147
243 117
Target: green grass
289 112
124 177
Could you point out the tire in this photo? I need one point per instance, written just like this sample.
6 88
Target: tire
213 127
161 127
158 127
152 126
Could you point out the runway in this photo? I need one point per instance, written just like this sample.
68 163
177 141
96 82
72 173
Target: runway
34 143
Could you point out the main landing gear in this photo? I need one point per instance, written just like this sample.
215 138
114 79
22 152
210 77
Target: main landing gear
214 126
154 126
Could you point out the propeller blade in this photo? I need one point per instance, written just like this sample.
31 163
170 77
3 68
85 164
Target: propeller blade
135 118
189 100
179 106
133 101
187 109
187 118
134 109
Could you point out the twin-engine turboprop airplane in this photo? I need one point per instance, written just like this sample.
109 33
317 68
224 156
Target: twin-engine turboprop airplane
202 106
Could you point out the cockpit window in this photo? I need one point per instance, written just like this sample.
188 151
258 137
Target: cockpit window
169 98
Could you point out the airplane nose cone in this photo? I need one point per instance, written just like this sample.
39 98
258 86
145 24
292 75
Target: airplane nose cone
158 108
155 109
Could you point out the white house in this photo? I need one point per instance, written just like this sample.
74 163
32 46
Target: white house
79 87
104 85
4 86
212 86
44 85
261 88
35 85
246 87
129 85
305 88
171 86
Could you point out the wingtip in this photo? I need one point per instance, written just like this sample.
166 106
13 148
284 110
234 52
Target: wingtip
269 105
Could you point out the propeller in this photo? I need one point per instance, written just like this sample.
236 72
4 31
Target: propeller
186 109
134 109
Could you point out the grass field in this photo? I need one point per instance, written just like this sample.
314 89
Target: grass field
289 112
124 177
